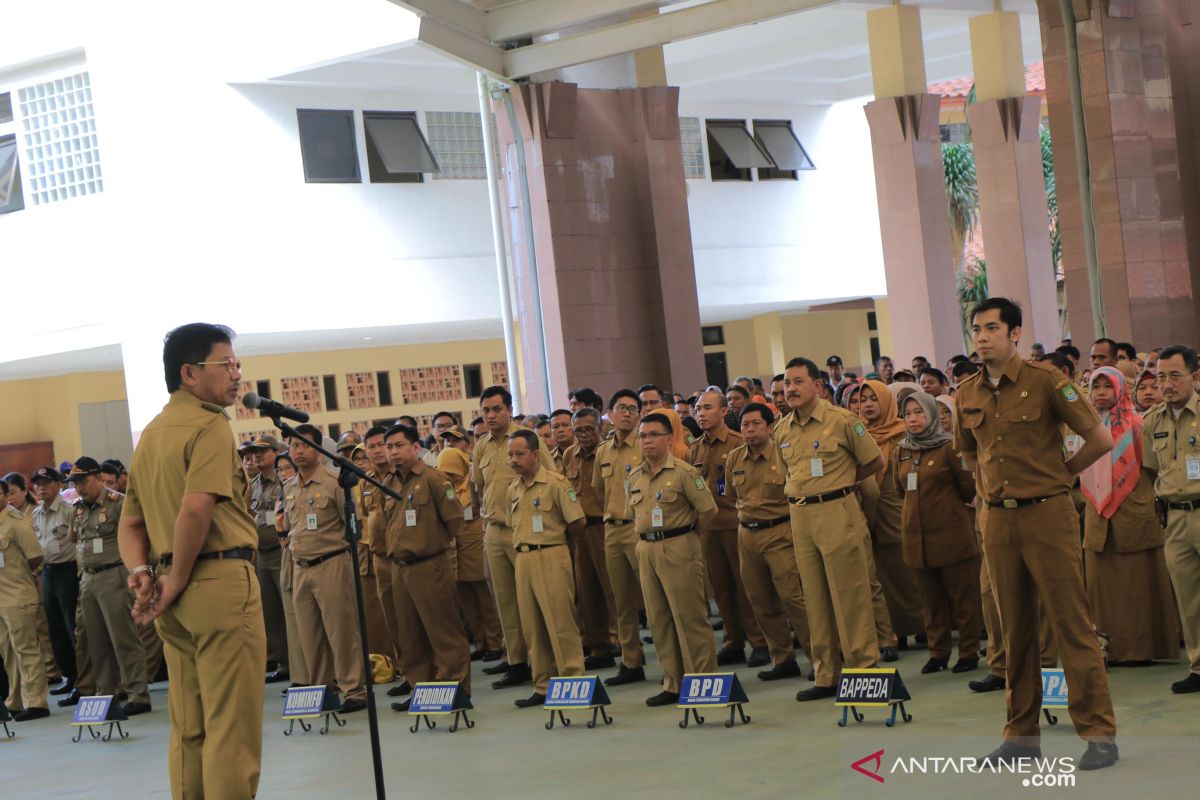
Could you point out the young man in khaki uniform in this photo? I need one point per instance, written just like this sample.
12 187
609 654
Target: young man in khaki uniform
1171 449
104 597
265 492
20 555
322 583
60 576
667 498
186 508
419 530
379 606
719 535
768 556
544 514
491 475
1009 418
615 460
827 452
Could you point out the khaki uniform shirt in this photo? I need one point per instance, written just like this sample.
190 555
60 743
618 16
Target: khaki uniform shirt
264 496
18 546
456 466
707 454
53 526
579 467
189 449
757 482
548 498
491 474
1013 429
614 463
372 521
428 518
95 528
676 487
835 436
316 519
1167 444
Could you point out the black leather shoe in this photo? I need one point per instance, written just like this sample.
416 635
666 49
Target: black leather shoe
965 665
133 709
31 714
889 654
491 655
626 675
402 706
1099 755
922 638
663 699
788 669
70 700
648 639
759 657
815 693
934 665
498 669
989 684
517 674
277 676
350 706
66 688
1007 753
731 655
599 662
332 702
902 642
399 690
532 701
477 655
1188 685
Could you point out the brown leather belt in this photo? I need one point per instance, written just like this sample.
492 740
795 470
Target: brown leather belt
762 525
1183 505
1020 502
670 533
837 494
533 548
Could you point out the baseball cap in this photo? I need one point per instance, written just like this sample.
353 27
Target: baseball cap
47 474
833 361
264 442
455 432
84 466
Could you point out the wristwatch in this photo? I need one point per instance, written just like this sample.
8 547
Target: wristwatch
146 568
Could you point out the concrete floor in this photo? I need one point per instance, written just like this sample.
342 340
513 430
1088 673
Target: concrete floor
788 747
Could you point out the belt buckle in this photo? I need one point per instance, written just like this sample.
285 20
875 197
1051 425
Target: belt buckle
1010 503
656 536
801 501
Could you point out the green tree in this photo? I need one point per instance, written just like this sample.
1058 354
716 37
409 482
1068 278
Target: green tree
962 199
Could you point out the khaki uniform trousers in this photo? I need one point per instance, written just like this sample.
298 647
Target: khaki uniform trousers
885 636
382 568
297 666
152 650
112 634
433 644
952 602
53 673
597 610
379 632
1034 552
672 578
215 648
1182 552
768 558
546 597
327 616
621 560
269 564
22 655
475 591
720 550
833 554
502 565
85 676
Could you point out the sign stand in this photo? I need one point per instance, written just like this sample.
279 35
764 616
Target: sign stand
96 712
438 699
584 692
871 688
306 702
4 718
1054 692
712 690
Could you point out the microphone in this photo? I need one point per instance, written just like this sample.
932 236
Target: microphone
271 408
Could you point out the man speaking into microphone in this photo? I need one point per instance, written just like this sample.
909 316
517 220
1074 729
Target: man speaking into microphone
189 544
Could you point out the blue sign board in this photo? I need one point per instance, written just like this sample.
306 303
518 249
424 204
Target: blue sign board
304 701
434 698
92 710
870 687
712 689
574 692
1054 688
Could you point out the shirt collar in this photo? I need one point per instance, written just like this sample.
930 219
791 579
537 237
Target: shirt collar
182 397
818 413
1012 370
717 437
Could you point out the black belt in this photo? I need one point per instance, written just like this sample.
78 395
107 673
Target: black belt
243 553
105 568
408 562
1020 502
1183 505
658 536
265 550
312 562
531 548
593 520
762 525
616 522
821 498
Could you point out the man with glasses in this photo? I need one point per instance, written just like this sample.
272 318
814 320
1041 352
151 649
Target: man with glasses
650 397
1171 449
442 422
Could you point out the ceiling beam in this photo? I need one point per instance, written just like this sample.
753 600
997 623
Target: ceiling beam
538 17
470 50
450 13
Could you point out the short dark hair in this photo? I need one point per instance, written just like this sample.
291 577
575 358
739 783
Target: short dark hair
1128 349
497 391
778 377
881 359
936 373
761 408
476 421
586 411
310 431
1060 361
814 371
630 393
922 358
528 437
1010 312
441 414
3 486
407 419
559 412
758 384
374 430
190 344
284 456
1111 344
959 359
964 368
1070 350
1190 360
110 468
407 431
541 422
589 397
649 387
660 418
737 387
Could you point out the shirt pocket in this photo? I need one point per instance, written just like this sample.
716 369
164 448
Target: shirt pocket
636 496
606 471
773 488
1022 425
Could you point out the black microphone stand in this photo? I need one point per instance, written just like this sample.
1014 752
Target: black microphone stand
348 476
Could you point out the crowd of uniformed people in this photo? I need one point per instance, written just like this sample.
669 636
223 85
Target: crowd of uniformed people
1048 508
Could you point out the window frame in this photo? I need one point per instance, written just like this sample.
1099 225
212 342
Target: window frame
327 113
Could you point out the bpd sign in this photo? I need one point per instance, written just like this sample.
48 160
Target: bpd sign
1054 688
870 687
582 691
713 689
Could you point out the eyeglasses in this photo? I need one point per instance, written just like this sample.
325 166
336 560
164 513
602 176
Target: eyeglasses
651 435
1174 377
624 409
233 365
585 429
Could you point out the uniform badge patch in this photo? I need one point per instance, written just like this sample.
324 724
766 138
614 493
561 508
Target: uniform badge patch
571 494
699 483
860 429
450 493
1069 392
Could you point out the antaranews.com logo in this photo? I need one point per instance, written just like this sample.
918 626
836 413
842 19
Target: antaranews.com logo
1056 772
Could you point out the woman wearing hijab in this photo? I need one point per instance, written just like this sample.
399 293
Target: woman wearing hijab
1146 394
1129 590
938 532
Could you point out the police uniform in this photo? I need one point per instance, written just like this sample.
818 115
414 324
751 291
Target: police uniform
538 515
614 462
594 597
1171 448
665 505
822 453
264 496
323 584
215 645
19 603
491 476
1031 536
766 550
719 542
419 529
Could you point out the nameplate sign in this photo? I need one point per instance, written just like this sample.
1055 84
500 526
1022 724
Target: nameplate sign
584 691
870 687
304 701
435 698
711 690
92 710
1054 688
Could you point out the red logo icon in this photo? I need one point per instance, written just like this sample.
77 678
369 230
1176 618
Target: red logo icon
876 759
